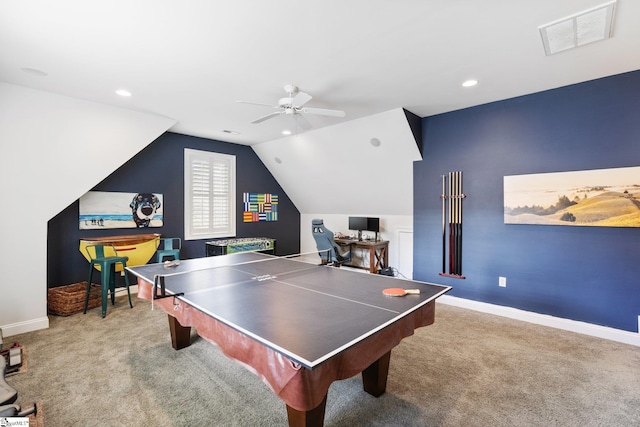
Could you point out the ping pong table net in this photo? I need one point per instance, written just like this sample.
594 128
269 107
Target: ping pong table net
182 283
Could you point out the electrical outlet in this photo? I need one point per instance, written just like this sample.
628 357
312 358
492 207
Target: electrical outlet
502 282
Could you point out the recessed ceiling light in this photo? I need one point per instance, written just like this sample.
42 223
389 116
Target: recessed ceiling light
34 71
470 83
123 92
277 159
375 142
231 132
286 132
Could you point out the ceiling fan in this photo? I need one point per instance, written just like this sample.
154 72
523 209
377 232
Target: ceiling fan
293 104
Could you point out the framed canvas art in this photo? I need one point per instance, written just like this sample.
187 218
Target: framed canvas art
104 210
599 198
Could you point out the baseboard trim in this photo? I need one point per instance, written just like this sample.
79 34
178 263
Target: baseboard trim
123 291
584 328
24 327
43 322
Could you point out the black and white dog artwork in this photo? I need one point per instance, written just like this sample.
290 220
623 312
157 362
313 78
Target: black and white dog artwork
144 206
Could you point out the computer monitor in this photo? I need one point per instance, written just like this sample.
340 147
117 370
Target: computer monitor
361 223
357 223
373 224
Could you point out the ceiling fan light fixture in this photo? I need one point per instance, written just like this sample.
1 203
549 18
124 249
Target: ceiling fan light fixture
294 105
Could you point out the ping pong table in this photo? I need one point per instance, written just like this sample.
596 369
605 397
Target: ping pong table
298 326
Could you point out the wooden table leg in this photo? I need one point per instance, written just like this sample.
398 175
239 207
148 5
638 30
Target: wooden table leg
372 260
384 263
311 418
374 378
180 335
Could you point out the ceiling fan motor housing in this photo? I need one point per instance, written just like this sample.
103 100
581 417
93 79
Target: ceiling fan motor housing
285 102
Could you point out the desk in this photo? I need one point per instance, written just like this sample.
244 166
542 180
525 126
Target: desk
378 252
298 326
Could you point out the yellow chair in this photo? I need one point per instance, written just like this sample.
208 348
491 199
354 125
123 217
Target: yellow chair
106 257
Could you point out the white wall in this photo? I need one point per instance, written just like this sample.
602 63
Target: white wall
53 149
337 170
390 226
404 238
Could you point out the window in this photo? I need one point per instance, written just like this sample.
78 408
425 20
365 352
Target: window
209 195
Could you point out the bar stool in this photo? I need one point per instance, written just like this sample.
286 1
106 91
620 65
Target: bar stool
169 247
107 266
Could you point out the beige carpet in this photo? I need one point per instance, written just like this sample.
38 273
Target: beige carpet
468 369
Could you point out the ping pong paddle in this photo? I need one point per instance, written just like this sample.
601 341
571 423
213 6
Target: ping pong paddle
399 292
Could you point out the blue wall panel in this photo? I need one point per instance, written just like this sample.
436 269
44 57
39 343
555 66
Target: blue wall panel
159 168
590 274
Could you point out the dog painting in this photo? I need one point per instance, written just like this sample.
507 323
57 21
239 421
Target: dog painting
143 207
104 210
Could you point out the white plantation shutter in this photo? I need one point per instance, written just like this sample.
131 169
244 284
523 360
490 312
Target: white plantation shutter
209 194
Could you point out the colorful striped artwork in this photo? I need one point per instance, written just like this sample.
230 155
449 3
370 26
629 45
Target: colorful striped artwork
260 207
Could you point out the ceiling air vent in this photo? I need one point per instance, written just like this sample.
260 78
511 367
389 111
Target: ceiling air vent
576 30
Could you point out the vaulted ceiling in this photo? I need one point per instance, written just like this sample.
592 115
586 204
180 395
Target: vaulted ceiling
192 60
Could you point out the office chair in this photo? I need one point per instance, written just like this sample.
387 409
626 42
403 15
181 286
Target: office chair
328 249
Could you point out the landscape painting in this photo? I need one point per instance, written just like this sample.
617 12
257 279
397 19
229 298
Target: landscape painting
599 198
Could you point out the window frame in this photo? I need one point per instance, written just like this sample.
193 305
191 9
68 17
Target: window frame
213 159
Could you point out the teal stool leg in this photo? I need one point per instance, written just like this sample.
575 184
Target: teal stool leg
105 279
126 281
112 282
86 301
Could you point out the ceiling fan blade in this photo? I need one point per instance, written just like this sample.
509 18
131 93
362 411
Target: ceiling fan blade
300 99
304 123
267 117
258 103
324 112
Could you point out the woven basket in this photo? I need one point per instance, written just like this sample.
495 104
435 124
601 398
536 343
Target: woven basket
69 299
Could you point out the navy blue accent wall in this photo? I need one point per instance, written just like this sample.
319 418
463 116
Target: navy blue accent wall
589 274
159 168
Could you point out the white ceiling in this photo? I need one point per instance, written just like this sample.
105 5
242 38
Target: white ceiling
190 60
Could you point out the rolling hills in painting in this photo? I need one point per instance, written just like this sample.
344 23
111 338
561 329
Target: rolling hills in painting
606 209
601 198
